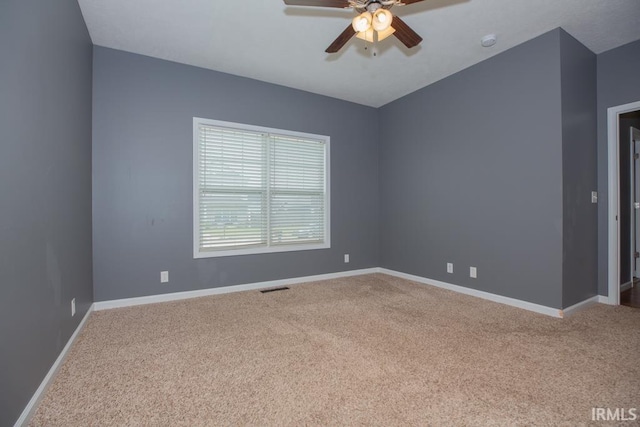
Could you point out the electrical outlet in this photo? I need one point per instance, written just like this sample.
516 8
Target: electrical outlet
449 267
164 276
473 272
73 307
346 258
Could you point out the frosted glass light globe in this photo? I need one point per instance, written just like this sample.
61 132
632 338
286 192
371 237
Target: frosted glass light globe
382 19
362 22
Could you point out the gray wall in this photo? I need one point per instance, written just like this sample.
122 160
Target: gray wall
579 174
471 173
45 189
142 175
618 84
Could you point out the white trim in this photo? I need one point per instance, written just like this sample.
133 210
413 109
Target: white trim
634 140
580 306
176 296
626 286
613 133
196 195
268 247
632 194
28 411
152 299
260 250
480 294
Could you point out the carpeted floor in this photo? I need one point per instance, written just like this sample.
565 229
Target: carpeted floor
374 350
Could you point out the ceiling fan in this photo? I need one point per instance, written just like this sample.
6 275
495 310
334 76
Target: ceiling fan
374 21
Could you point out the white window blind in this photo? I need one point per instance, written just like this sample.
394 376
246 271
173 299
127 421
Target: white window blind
258 190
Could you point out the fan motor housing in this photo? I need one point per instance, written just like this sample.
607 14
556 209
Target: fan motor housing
372 5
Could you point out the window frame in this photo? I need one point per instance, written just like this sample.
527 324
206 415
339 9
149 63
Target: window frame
197 253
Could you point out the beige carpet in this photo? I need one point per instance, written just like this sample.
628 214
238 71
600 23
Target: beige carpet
372 350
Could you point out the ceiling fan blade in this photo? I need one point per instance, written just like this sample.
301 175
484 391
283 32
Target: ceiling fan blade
404 33
319 3
404 2
341 40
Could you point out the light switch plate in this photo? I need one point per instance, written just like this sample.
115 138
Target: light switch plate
594 197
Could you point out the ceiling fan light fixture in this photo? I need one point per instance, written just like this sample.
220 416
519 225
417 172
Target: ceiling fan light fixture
382 20
362 22
374 21
366 35
386 33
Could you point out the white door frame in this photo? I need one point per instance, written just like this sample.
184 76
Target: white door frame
613 124
634 142
632 214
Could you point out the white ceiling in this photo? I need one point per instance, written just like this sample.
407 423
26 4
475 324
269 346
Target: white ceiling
268 41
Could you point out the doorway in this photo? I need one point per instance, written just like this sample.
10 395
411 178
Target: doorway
624 193
630 208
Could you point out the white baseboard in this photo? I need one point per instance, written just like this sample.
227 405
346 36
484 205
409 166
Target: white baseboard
23 420
603 300
580 306
626 286
175 296
549 311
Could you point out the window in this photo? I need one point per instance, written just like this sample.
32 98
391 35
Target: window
258 190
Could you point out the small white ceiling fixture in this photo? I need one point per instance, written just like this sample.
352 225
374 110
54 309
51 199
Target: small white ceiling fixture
284 45
488 40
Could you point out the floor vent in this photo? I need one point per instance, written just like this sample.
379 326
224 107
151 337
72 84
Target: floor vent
284 288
